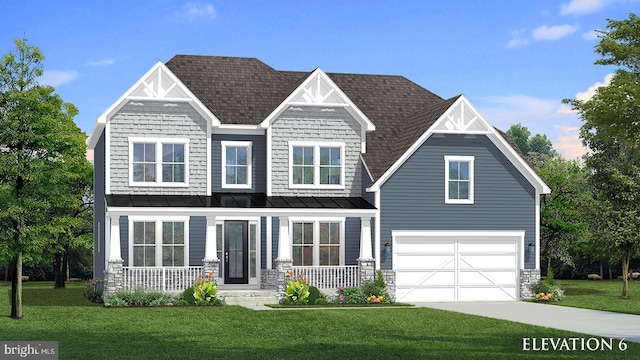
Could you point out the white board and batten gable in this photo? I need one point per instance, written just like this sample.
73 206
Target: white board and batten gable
319 90
158 84
463 118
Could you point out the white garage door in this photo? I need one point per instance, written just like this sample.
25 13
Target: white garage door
467 266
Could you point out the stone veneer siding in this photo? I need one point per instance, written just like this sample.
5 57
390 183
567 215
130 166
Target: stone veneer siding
315 124
528 277
156 119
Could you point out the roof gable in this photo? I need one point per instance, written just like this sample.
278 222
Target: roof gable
157 84
319 90
461 118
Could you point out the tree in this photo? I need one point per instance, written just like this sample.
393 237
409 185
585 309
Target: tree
37 135
71 224
538 144
611 129
562 219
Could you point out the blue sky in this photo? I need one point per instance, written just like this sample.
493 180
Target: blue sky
515 60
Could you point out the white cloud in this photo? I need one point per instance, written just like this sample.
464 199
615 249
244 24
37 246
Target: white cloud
197 10
519 38
539 115
590 35
545 32
57 77
568 142
587 94
579 7
102 62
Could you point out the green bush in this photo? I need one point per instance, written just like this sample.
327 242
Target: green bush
546 288
91 293
321 301
380 281
314 294
182 302
351 295
187 295
138 297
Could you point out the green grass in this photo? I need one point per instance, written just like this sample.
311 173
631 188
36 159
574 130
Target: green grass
601 295
89 331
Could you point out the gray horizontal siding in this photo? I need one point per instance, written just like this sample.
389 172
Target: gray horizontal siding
124 239
413 197
258 162
99 209
197 239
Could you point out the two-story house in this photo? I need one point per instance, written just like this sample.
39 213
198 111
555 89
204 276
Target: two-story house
226 165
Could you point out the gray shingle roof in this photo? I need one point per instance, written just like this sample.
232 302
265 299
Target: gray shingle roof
246 90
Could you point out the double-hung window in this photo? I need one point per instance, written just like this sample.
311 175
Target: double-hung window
316 165
158 242
236 164
317 242
158 162
459 182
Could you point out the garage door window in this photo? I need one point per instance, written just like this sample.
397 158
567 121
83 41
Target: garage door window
459 179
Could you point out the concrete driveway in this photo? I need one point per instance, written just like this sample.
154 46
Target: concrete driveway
593 322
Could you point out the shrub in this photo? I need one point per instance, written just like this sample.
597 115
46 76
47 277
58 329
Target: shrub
297 289
183 302
187 296
380 281
320 301
91 292
205 292
115 301
138 297
350 295
314 295
545 291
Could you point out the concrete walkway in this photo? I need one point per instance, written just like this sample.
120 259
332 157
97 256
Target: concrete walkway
593 322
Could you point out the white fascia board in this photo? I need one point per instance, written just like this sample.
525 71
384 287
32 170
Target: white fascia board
489 131
212 120
350 106
236 129
220 211
460 233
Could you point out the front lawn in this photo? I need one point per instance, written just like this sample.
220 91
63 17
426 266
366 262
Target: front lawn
601 295
88 331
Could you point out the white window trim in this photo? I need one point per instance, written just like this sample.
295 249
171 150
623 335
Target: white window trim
470 160
159 220
223 161
316 236
316 164
158 143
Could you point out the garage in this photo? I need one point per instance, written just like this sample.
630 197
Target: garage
443 266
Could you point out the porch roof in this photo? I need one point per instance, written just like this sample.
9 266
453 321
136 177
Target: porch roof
238 200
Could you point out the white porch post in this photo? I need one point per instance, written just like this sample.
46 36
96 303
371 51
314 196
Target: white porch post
284 242
114 274
365 261
114 241
284 262
365 239
211 262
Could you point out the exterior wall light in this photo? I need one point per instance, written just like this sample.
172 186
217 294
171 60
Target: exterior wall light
387 248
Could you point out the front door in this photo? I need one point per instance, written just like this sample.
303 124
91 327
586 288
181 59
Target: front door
236 269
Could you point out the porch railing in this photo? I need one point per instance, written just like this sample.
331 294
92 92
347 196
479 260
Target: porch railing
160 278
329 277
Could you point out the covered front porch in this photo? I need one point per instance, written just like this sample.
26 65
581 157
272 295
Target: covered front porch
245 246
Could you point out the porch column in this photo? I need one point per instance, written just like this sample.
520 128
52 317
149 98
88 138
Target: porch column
114 274
211 262
284 262
366 263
